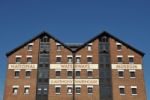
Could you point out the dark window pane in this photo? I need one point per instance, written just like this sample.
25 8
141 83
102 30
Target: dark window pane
132 74
90 90
28 73
78 89
17 73
57 89
134 91
78 73
122 91
57 73
89 73
120 73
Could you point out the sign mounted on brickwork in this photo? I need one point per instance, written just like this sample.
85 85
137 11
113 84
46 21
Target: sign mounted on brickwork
126 66
77 81
77 66
22 66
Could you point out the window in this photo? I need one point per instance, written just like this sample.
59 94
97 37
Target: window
39 91
28 73
90 90
89 73
78 90
57 90
45 39
69 73
78 74
89 59
132 73
119 47
134 90
29 60
30 47
18 60
58 59
122 90
121 73
26 90
15 90
45 91
78 60
69 59
17 73
89 47
57 73
131 60
120 60
69 90
58 47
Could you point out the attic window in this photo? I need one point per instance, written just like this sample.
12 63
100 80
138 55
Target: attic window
45 39
104 39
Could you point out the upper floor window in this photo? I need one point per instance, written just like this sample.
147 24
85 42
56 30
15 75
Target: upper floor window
30 47
69 89
70 59
132 73
77 73
45 39
57 89
78 59
26 89
122 90
29 60
119 46
28 73
58 47
134 90
90 89
18 59
58 73
58 59
15 90
89 59
69 73
131 59
17 72
89 47
89 73
104 39
121 73
119 58
78 89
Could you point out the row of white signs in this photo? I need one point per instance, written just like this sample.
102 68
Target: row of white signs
76 66
76 81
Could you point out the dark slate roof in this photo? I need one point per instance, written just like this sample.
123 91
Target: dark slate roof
74 47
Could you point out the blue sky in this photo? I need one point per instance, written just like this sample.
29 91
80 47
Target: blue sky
74 21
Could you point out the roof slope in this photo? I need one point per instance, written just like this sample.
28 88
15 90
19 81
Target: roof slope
78 47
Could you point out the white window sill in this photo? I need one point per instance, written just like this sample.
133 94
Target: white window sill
120 77
16 77
57 93
132 77
122 94
78 93
90 93
69 93
26 93
29 50
134 94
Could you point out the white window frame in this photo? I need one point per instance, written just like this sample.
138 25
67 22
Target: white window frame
27 86
131 56
90 86
30 44
78 86
18 56
120 70
120 45
132 70
136 90
121 86
70 86
15 86
120 56
16 70
30 72
58 86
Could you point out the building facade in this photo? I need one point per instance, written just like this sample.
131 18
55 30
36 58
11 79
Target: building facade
103 68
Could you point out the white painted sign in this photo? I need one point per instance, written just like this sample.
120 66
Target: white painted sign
77 66
77 81
22 66
126 66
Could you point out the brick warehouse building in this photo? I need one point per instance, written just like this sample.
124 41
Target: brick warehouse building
103 68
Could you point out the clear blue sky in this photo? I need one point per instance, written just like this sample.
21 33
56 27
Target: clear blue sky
74 21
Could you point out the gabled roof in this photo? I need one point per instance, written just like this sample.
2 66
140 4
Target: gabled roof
104 33
78 47
34 38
